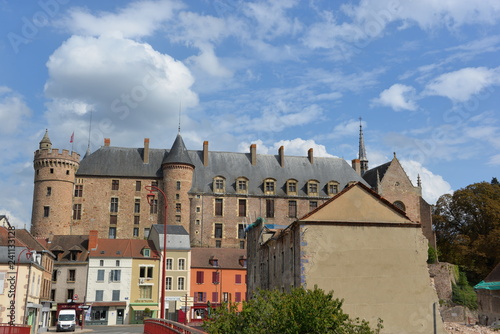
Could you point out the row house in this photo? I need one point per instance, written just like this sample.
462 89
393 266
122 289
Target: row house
25 271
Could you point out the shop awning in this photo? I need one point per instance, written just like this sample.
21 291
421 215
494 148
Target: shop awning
123 304
143 307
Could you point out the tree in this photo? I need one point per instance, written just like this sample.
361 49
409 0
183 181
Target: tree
298 311
467 226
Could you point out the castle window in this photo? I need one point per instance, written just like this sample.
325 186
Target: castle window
137 185
242 207
113 219
67 172
52 171
400 205
137 205
219 184
177 207
198 209
312 188
153 209
136 220
177 196
112 233
269 186
218 243
270 208
333 187
178 185
291 187
218 206
114 205
292 209
178 218
78 190
46 211
115 184
242 185
49 191
241 231
313 205
77 211
154 184
136 232
218 230
242 244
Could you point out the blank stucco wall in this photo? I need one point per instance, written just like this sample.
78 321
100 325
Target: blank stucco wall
380 272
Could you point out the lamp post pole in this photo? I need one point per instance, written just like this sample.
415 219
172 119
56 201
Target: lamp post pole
151 197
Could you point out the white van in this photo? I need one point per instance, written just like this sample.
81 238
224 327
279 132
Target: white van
66 320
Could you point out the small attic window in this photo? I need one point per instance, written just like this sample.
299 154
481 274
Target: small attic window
146 252
214 262
102 252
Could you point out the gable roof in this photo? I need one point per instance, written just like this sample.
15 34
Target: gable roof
358 204
66 244
370 176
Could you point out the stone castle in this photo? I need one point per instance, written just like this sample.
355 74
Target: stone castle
213 195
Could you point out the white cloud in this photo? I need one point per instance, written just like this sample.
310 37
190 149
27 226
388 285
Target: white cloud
433 186
398 97
13 110
126 83
293 147
460 85
494 160
138 19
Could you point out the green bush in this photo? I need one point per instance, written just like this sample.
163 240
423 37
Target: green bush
298 311
464 294
432 255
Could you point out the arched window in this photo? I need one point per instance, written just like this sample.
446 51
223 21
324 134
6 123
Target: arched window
291 187
332 188
242 185
269 186
219 184
313 188
400 205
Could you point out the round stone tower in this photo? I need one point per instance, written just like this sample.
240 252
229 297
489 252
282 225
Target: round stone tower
178 172
53 190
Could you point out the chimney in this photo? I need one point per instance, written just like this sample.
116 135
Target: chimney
205 153
253 154
310 155
281 153
93 236
356 165
107 141
145 154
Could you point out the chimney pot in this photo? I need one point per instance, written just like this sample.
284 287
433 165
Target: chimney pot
205 153
310 155
253 154
145 154
93 236
281 152
107 141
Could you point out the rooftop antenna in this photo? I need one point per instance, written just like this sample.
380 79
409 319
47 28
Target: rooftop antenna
180 109
90 130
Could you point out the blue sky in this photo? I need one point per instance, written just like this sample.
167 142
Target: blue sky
423 75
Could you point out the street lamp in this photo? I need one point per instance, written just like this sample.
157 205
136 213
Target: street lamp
150 197
29 254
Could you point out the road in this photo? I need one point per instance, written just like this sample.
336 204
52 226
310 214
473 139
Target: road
125 329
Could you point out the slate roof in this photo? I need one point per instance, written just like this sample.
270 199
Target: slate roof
228 258
370 175
177 237
178 153
128 162
67 243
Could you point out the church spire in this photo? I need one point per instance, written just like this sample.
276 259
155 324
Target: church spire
362 151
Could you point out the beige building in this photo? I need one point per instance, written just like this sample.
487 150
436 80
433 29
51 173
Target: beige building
360 246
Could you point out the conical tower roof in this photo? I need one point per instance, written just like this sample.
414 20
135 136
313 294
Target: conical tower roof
45 143
178 153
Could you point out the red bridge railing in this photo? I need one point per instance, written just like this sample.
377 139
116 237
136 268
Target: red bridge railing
162 326
14 329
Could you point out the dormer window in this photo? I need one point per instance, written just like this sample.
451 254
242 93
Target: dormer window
146 252
312 188
333 188
291 187
219 184
242 185
269 186
214 262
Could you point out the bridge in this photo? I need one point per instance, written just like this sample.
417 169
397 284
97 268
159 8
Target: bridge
163 326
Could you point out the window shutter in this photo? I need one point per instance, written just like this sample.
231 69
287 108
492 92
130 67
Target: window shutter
215 297
238 279
237 296
204 296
